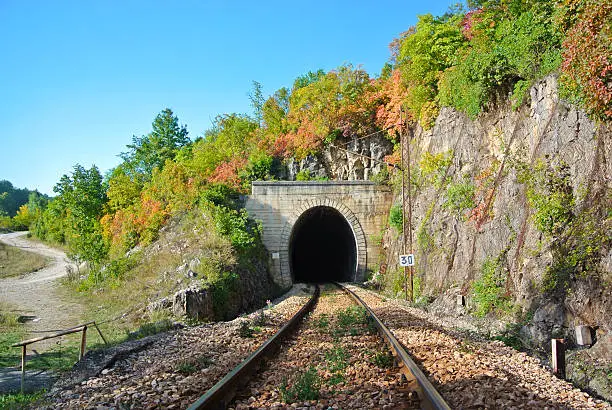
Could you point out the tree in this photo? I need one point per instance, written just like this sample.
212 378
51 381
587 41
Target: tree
81 197
257 101
231 138
151 151
12 198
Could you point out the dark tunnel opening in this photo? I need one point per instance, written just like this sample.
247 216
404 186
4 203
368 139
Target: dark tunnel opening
322 247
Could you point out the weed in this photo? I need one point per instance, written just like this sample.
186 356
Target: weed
322 322
433 167
261 319
396 217
192 364
489 290
245 329
459 198
185 367
337 359
305 387
425 240
350 321
335 379
383 359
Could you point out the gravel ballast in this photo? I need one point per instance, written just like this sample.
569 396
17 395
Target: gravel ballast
476 374
180 366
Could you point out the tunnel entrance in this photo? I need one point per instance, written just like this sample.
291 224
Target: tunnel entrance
322 247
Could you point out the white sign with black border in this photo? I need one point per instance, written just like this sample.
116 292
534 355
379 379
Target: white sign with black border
406 260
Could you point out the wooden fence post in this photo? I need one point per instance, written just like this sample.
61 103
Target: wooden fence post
83 342
23 363
101 335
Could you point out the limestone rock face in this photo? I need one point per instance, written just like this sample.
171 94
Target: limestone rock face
356 160
194 302
513 165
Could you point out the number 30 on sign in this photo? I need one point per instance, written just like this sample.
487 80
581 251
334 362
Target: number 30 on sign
406 260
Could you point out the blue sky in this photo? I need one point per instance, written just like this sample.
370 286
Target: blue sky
79 78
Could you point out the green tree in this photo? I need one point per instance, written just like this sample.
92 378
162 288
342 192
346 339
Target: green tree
12 198
151 151
81 199
123 188
230 137
257 100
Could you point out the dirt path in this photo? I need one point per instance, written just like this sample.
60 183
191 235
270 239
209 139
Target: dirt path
37 294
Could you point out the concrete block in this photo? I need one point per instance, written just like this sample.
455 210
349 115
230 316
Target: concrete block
583 336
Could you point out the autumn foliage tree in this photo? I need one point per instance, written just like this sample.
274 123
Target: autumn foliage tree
587 54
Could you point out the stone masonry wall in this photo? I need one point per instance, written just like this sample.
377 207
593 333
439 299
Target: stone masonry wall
278 205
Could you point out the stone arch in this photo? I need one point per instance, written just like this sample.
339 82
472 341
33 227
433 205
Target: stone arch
353 221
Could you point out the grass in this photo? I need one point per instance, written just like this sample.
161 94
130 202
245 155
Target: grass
119 302
15 262
353 321
192 364
19 401
11 331
151 275
60 357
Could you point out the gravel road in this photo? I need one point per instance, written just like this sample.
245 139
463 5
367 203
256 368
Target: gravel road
37 293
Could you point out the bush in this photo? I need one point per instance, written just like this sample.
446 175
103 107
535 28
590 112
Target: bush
549 193
433 167
243 233
459 198
303 175
489 290
396 219
221 288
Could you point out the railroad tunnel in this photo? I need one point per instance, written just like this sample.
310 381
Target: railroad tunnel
322 247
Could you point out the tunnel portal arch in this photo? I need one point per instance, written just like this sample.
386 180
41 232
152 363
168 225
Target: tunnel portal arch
278 205
357 260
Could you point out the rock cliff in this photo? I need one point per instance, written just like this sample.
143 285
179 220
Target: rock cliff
516 200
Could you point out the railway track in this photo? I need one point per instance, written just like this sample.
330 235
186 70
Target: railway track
474 374
353 367
336 360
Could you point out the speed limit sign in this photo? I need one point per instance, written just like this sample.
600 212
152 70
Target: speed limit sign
406 260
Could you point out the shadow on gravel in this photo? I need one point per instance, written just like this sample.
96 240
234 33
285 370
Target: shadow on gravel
10 380
482 392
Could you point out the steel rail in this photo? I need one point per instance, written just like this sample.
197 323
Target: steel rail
429 396
221 394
